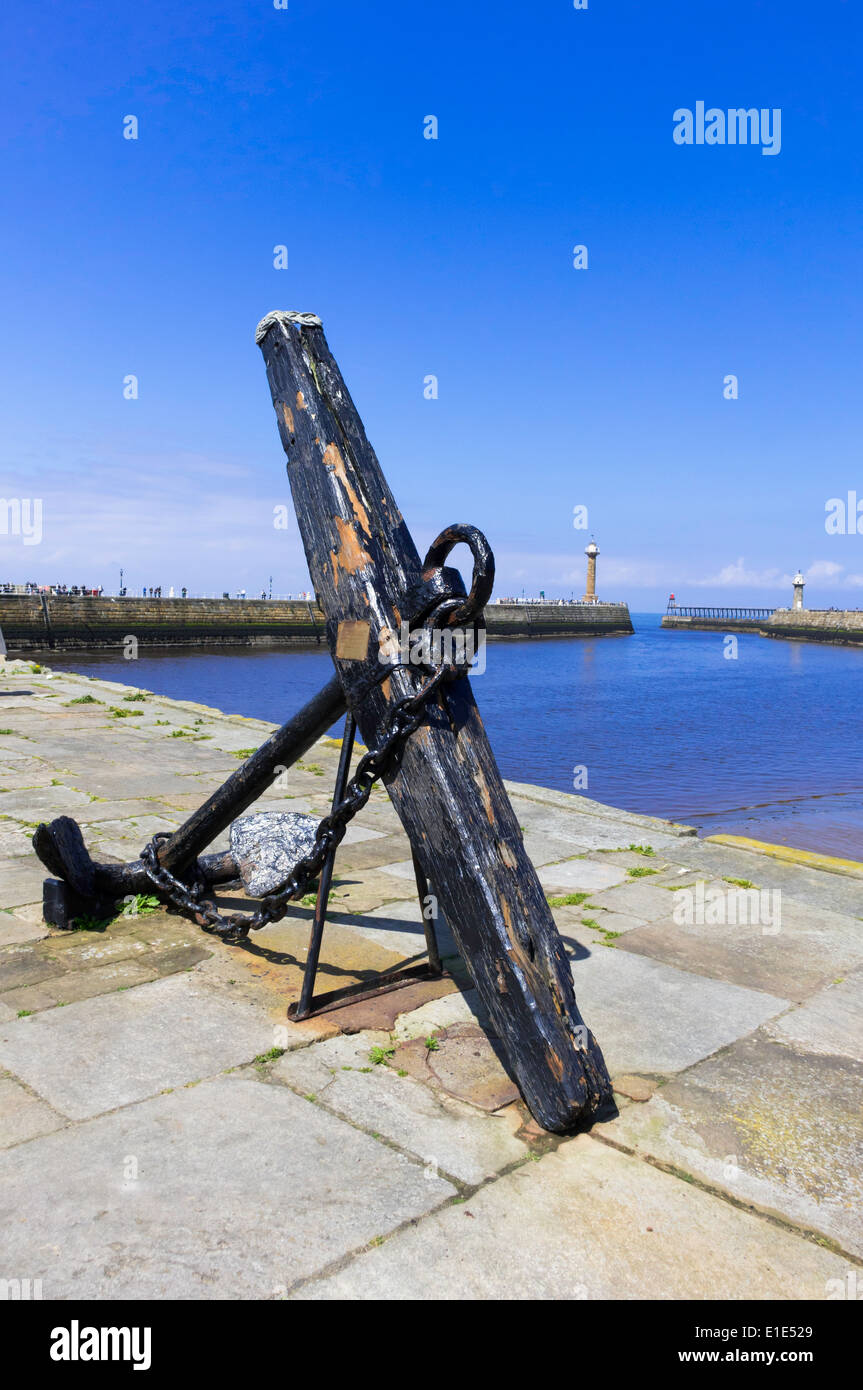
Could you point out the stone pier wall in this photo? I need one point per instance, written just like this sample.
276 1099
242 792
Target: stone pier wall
715 624
817 625
801 624
67 622
557 620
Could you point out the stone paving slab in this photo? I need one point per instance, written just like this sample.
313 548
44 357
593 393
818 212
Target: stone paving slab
796 950
21 881
24 772
584 833
71 988
138 828
25 964
398 926
380 815
466 1062
636 898
22 1115
455 1138
356 833
632 859
67 748
16 930
371 854
187 755
77 950
68 966
611 923
544 849
463 1007
15 748
839 892
830 1022
240 1191
14 840
578 804
272 962
586 1222
770 1125
121 812
587 832
123 779
580 876
401 868
110 1051
652 1018
362 893
580 938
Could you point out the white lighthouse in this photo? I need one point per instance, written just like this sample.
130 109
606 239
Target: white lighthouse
798 581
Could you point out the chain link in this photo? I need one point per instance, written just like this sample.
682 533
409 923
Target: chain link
402 719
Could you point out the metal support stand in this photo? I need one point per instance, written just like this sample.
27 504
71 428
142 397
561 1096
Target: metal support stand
352 994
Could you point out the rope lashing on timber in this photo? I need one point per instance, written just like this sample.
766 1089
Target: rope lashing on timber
282 317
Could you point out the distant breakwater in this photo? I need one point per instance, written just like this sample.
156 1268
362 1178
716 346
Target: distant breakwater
844 627
69 622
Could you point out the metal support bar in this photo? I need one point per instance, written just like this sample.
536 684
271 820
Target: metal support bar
399 979
423 887
303 1008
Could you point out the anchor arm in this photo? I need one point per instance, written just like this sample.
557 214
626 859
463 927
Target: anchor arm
92 888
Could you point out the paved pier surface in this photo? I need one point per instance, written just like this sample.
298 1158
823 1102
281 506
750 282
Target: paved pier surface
164 1132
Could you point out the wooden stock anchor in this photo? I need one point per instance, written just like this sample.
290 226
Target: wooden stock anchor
445 787
442 779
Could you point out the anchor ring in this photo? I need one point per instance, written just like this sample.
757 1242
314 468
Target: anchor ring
482 581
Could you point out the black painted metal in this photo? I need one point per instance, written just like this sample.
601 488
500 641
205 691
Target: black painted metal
305 1004
423 888
178 853
354 993
257 773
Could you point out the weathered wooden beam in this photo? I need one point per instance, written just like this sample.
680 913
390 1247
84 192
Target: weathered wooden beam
446 789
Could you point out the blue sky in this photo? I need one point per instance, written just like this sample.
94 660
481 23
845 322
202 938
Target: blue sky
557 387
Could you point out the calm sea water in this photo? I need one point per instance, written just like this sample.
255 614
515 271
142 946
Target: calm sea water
768 745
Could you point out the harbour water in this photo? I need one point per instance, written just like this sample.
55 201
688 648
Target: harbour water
768 743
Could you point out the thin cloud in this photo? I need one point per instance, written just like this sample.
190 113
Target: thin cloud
737 576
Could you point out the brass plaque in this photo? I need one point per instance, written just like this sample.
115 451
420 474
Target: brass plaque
352 643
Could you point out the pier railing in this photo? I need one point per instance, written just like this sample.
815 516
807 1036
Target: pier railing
751 614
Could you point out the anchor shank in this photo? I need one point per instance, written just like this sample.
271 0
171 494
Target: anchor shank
245 785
